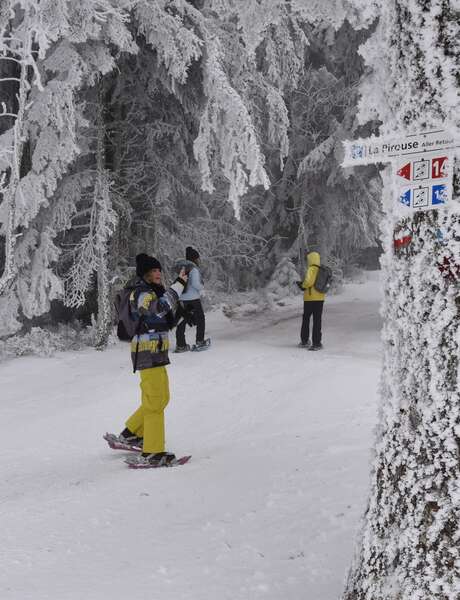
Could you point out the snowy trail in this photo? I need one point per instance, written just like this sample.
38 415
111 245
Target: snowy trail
268 507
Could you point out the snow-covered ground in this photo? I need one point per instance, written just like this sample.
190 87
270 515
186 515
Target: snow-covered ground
269 506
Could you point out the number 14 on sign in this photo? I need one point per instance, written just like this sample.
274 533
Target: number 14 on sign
424 168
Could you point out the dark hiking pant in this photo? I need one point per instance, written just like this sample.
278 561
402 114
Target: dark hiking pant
196 308
313 308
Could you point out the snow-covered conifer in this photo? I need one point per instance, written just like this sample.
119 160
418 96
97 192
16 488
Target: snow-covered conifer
409 543
44 38
283 281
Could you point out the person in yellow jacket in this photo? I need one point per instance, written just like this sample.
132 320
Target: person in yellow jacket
312 305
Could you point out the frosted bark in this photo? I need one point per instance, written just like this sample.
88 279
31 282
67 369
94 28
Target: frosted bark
409 546
14 154
105 222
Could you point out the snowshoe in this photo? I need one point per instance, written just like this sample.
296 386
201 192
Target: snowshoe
180 349
120 442
200 346
316 347
156 461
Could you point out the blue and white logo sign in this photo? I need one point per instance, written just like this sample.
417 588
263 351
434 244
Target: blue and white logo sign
357 151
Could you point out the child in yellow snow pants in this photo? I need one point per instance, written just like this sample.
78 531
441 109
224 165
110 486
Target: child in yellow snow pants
146 307
148 420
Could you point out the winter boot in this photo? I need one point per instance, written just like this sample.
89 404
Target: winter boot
131 440
317 347
124 442
200 346
180 349
152 460
304 345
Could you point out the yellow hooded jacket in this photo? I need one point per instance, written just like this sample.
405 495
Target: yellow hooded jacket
310 294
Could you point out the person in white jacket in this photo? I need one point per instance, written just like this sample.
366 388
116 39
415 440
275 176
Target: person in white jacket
191 301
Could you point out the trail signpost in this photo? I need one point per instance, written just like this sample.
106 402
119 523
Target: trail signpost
425 180
376 149
422 167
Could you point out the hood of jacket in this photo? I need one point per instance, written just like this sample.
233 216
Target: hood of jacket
313 258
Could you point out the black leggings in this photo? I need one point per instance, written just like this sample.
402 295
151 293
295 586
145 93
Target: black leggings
196 308
312 308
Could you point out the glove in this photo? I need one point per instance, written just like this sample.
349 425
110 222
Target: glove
189 316
189 319
299 284
186 314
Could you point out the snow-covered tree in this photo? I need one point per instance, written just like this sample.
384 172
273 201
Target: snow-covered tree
91 254
283 281
159 105
126 124
62 49
409 546
58 47
311 199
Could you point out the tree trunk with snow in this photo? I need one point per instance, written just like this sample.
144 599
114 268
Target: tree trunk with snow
104 227
409 547
22 54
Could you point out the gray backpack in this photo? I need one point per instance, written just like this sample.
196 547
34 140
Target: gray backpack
323 279
127 327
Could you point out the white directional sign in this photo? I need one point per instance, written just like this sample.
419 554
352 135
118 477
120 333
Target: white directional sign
424 181
381 150
422 166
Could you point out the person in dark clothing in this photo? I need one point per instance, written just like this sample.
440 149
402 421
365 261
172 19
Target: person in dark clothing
195 316
192 307
312 309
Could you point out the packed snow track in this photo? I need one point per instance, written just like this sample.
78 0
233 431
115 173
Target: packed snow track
270 505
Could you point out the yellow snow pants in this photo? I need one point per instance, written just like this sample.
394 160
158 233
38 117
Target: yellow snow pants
148 420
